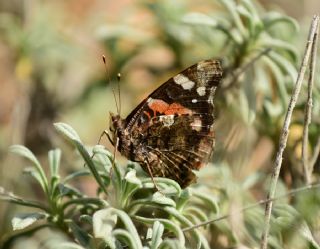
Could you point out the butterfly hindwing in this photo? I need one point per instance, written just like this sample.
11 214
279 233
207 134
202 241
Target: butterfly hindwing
171 131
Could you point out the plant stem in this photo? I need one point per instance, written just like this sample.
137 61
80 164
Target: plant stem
235 76
307 166
285 132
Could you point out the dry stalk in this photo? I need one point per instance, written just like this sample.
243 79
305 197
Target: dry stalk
306 163
285 132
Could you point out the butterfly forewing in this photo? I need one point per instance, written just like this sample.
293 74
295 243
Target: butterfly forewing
171 131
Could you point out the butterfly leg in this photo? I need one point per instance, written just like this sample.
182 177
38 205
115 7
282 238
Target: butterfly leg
104 133
146 161
114 157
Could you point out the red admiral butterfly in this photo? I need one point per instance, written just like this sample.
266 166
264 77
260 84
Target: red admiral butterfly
170 133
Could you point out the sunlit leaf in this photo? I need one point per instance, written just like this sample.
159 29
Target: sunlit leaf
21 221
54 161
199 19
25 152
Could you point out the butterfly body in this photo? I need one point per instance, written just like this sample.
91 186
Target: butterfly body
170 133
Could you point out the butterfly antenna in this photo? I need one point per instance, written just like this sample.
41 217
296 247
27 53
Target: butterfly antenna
108 78
119 92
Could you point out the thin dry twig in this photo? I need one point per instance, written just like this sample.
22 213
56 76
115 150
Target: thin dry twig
307 167
285 132
234 76
237 212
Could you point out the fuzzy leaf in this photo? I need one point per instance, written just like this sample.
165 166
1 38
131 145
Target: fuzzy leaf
81 235
171 243
157 232
231 7
132 178
273 17
285 65
127 238
169 226
167 186
65 190
26 153
83 172
54 161
10 197
103 223
199 19
21 221
69 245
35 174
67 131
159 198
307 234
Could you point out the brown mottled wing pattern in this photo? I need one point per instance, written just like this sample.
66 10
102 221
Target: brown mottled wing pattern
173 127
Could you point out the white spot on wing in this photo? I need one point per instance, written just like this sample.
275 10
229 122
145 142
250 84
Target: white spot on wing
201 90
184 81
194 101
167 120
196 124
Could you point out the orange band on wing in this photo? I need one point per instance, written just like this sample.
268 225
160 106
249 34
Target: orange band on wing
176 108
158 105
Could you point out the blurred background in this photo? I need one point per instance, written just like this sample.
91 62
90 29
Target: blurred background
51 70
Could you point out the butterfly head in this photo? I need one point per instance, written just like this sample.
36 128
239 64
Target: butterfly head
116 127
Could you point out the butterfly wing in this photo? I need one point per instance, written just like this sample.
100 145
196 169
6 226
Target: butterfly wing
174 125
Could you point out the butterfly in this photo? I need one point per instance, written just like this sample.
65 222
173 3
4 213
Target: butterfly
170 133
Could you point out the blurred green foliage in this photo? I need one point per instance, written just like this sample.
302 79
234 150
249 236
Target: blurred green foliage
54 65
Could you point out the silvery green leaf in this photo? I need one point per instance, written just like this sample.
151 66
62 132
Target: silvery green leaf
36 175
69 245
70 134
199 19
159 198
157 232
132 178
84 172
54 161
127 238
129 226
103 223
26 153
231 7
21 221
272 17
171 244
167 186
307 234
80 234
210 201
168 225
67 131
285 65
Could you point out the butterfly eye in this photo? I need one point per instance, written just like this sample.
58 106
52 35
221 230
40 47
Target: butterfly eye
111 126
